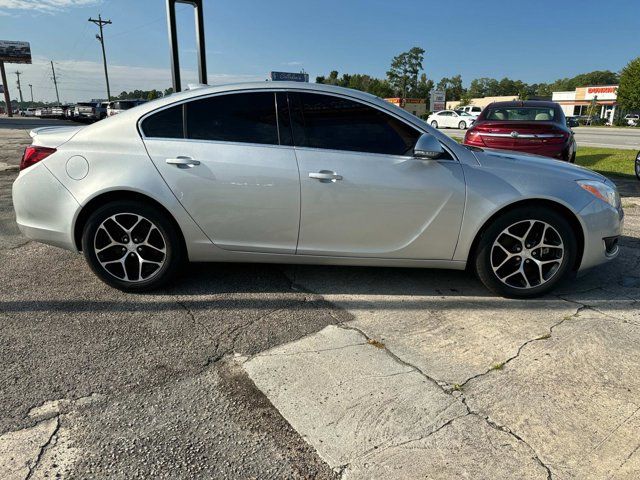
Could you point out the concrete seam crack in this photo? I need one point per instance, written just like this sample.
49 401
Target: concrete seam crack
413 440
584 306
502 428
462 398
303 352
43 449
521 347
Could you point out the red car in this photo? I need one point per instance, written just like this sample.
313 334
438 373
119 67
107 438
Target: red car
529 127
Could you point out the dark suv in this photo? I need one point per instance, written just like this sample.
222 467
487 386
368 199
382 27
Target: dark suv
525 126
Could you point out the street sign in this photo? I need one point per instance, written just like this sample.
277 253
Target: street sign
289 77
437 101
15 52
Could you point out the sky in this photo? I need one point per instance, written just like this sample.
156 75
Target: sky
534 41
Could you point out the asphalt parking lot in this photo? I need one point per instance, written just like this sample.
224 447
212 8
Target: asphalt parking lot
264 371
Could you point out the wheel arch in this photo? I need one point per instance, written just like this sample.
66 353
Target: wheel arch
119 195
558 207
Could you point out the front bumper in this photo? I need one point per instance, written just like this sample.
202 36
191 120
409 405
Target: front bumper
602 225
45 210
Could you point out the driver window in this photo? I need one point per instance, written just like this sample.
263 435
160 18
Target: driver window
337 123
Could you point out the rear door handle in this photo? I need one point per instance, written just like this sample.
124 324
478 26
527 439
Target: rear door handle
183 162
325 176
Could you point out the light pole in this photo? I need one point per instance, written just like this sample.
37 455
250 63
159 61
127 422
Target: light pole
31 88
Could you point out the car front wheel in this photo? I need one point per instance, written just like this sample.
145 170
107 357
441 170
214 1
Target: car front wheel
434 124
131 246
462 126
525 252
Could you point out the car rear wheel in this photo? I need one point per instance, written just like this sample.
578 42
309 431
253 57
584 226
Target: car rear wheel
462 125
638 165
131 246
434 124
525 252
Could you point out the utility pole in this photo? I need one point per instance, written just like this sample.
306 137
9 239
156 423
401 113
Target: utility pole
100 23
7 99
19 89
55 82
31 88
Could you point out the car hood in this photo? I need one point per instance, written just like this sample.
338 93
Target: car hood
525 163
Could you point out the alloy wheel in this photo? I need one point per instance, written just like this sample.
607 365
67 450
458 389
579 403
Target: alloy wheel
130 247
527 254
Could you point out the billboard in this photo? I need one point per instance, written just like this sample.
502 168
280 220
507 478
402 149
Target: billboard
437 100
289 77
15 52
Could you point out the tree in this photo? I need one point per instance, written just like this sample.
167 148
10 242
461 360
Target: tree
453 87
357 81
403 74
629 90
424 87
465 99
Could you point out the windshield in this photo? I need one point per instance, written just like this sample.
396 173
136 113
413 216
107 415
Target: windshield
521 114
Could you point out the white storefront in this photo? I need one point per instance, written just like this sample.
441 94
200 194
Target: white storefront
601 100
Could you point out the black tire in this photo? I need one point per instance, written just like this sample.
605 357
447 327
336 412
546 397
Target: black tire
482 260
434 124
167 235
462 125
638 165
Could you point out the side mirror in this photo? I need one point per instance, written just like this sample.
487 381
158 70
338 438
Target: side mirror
427 147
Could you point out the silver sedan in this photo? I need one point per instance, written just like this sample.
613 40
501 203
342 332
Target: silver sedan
304 173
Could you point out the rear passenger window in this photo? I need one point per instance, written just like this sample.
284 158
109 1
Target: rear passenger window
336 123
238 117
164 124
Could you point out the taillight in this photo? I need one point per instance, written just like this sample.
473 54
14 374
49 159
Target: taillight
473 137
34 154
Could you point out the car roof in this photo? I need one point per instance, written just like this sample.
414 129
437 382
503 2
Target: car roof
525 103
202 91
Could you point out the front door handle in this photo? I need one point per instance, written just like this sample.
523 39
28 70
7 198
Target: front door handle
325 176
183 162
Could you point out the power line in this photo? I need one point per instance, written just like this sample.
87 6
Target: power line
100 23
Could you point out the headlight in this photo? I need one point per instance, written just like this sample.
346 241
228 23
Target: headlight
601 190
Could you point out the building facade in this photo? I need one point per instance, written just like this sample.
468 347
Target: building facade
482 102
416 106
597 100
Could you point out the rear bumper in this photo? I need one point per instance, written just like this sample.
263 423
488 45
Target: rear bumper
44 208
603 224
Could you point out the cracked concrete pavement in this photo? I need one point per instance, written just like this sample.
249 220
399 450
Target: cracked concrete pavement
548 387
259 371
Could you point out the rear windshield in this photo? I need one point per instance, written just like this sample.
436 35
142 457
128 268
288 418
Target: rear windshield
521 114
85 104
